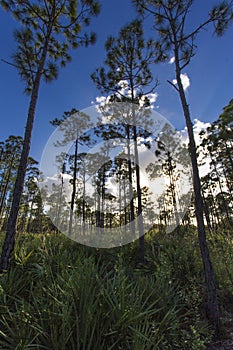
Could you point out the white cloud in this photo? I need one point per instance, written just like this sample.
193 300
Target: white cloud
198 126
185 81
123 84
152 98
101 100
172 60
125 91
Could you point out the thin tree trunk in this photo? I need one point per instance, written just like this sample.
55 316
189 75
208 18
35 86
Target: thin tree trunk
132 216
5 190
9 241
1 153
84 201
206 211
138 185
229 154
221 188
98 201
173 192
5 218
73 189
139 196
102 215
30 216
59 206
125 204
4 187
120 216
212 300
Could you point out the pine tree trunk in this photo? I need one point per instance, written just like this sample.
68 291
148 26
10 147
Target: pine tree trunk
4 187
84 202
73 189
125 203
173 192
212 300
206 212
139 196
102 216
28 226
4 192
58 211
132 216
120 216
9 242
98 192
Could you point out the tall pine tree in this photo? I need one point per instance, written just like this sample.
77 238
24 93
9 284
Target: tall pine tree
170 19
128 68
50 29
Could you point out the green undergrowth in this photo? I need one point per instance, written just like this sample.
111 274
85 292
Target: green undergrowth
60 295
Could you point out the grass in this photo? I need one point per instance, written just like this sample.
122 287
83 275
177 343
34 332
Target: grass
60 295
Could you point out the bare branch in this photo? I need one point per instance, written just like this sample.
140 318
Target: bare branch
10 63
171 83
201 26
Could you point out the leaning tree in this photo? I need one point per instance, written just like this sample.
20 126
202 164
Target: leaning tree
171 25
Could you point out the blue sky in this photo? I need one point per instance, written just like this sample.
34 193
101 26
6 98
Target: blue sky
210 74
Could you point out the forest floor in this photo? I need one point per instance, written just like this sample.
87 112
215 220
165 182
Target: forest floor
226 343
53 279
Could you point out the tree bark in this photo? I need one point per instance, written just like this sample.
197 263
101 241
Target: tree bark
212 307
73 189
139 196
9 242
132 216
5 189
84 201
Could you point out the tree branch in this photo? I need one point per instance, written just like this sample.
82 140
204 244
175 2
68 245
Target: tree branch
16 66
173 85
